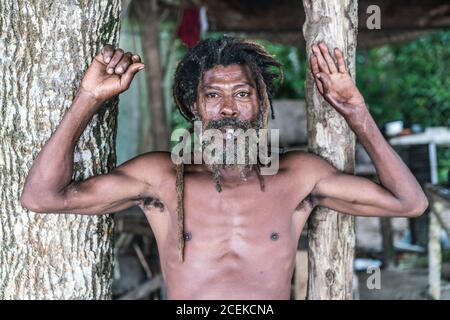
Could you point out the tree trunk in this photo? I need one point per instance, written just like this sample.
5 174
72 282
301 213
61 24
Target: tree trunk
331 236
159 132
45 47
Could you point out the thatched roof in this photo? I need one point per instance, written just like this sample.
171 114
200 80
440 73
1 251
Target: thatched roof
282 20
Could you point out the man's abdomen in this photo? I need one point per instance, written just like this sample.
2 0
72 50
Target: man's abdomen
233 263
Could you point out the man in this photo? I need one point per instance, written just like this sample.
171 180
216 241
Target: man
240 231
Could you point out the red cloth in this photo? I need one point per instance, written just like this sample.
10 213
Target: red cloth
189 28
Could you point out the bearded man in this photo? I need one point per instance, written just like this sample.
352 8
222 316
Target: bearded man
226 231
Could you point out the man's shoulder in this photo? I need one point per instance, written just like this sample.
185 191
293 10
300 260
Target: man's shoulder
304 162
149 165
299 157
307 168
162 158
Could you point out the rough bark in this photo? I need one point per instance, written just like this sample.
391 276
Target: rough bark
45 47
331 235
301 274
159 131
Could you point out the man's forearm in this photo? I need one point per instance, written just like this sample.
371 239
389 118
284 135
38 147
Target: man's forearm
52 169
394 175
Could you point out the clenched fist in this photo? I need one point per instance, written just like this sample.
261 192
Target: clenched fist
110 73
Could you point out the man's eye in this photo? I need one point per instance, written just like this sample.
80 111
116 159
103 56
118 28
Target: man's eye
243 94
212 95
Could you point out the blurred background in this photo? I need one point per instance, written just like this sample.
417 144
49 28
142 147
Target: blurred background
402 71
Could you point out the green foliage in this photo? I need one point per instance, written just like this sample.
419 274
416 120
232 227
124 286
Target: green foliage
294 68
408 81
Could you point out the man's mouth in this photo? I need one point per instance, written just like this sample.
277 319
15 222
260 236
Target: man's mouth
229 133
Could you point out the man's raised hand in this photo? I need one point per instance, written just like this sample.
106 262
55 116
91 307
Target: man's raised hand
334 81
110 73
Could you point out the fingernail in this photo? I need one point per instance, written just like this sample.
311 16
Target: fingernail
107 59
119 70
318 75
110 71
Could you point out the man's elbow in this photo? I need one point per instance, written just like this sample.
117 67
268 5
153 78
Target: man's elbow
418 208
36 203
29 202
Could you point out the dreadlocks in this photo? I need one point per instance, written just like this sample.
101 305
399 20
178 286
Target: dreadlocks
188 76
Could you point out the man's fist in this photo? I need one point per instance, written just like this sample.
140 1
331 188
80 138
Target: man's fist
110 73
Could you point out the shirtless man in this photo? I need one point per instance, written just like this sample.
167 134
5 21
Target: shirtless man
240 243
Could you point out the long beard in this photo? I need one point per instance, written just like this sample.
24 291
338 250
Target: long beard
237 151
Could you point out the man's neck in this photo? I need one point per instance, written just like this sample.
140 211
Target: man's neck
231 173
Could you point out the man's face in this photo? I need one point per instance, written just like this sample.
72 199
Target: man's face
227 92
227 101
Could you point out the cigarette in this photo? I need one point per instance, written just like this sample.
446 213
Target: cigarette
230 133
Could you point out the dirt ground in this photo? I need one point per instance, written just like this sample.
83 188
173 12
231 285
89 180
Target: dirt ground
410 279
401 284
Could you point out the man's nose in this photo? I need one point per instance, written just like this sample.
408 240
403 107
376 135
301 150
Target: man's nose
229 110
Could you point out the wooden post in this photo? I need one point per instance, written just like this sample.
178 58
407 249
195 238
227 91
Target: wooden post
159 131
388 242
434 256
331 236
439 206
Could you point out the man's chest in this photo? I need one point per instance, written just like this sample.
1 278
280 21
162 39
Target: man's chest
241 214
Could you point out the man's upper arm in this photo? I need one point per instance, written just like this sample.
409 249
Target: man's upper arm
122 188
348 193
